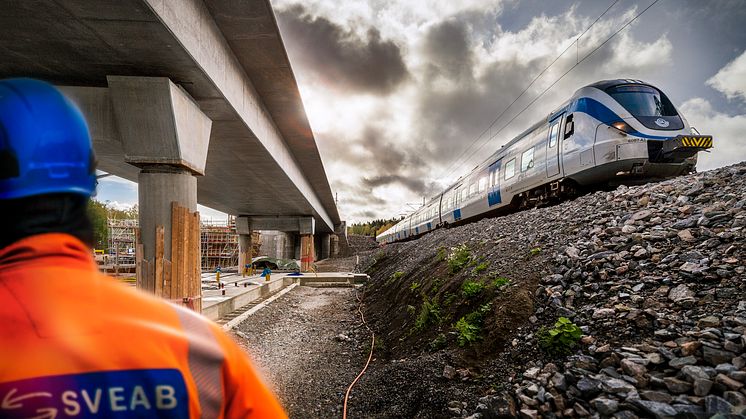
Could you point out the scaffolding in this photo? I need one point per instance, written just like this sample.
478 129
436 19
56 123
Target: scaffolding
219 244
120 257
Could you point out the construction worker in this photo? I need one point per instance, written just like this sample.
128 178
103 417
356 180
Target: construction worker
74 342
266 273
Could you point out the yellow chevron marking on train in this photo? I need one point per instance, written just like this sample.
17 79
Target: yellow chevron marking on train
703 142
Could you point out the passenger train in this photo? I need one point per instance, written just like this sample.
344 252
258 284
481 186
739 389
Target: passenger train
608 133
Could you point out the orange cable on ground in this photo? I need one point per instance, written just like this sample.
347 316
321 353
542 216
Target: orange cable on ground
370 356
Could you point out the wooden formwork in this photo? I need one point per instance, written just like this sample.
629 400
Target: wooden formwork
177 279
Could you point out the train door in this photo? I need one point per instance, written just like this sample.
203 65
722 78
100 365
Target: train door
458 198
493 196
553 147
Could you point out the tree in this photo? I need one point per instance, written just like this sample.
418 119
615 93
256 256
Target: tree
97 213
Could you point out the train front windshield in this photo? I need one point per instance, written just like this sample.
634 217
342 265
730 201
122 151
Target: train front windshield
648 105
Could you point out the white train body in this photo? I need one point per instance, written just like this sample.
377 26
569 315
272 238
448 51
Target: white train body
610 132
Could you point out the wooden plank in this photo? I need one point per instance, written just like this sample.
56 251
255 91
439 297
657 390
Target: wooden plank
185 239
196 263
138 259
167 278
175 246
158 271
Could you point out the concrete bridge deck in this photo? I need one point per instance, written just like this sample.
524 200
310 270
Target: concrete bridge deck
193 99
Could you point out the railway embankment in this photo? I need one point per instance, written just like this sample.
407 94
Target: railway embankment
628 303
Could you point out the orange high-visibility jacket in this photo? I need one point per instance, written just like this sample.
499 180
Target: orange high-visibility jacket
76 343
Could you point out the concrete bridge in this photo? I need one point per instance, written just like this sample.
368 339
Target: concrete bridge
193 99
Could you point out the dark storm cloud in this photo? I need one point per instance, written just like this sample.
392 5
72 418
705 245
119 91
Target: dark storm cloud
447 46
413 184
340 57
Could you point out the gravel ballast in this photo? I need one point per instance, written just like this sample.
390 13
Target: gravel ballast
308 345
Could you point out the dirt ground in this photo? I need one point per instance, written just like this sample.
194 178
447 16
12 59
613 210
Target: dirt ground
309 345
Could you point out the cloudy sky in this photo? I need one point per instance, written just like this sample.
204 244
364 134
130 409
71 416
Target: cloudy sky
406 96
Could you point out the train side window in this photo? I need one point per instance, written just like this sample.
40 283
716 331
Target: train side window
569 126
472 189
527 159
482 184
510 169
553 132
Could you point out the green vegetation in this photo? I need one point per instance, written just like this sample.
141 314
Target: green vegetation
449 298
500 282
372 228
436 284
411 309
458 258
414 286
561 339
429 314
467 332
397 275
469 327
535 251
98 212
481 267
441 255
438 343
470 289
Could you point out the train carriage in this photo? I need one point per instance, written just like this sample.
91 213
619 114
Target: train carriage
608 133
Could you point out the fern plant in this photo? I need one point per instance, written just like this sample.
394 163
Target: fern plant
561 339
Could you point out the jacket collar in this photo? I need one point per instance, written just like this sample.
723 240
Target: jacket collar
49 249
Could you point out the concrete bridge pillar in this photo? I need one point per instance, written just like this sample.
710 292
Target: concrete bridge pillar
166 135
303 226
326 242
244 251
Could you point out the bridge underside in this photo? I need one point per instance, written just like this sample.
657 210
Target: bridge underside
262 157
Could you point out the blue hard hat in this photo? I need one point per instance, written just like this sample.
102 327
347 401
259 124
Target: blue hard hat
44 142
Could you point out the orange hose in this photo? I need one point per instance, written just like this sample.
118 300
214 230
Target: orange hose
370 356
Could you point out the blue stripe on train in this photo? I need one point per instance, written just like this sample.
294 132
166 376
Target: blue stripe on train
493 198
457 214
599 111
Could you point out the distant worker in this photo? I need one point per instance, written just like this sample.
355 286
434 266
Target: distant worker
75 342
266 273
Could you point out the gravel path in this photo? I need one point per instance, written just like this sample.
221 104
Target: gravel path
309 345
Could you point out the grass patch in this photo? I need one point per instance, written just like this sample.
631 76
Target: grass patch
500 282
449 298
441 255
411 309
458 258
481 267
535 251
429 314
561 339
470 289
414 286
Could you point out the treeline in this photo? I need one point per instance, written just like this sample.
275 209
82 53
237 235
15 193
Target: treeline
372 228
99 212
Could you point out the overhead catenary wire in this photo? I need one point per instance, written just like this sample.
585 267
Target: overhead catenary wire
457 160
578 62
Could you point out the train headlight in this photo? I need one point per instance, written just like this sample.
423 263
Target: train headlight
622 126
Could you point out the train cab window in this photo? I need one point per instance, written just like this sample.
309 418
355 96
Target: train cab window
510 169
482 184
569 126
553 133
527 159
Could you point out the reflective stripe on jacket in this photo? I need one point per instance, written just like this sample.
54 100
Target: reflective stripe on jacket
76 343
